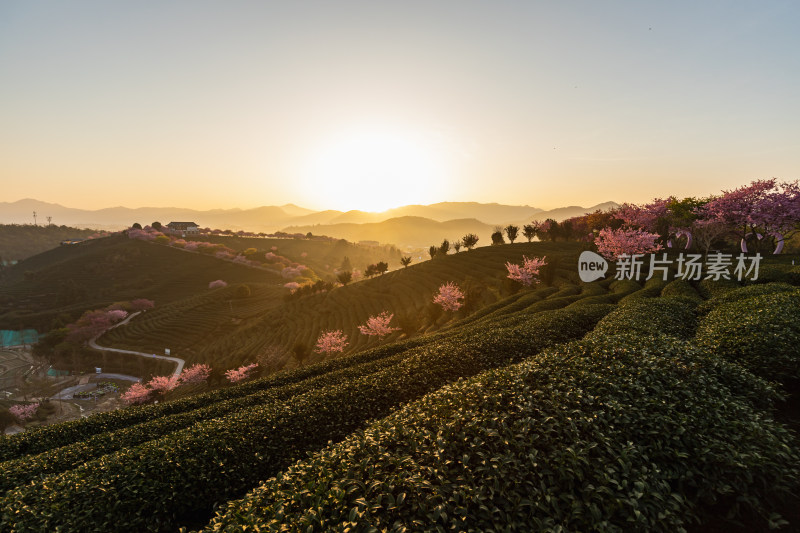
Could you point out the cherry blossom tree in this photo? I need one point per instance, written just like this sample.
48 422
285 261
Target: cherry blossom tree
378 325
136 394
216 284
238 374
613 243
23 412
646 216
163 384
142 304
528 272
448 297
197 373
331 341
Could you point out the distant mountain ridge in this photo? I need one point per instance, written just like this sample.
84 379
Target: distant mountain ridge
434 222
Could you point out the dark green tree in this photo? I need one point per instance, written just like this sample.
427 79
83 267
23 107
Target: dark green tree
345 277
444 247
511 232
469 240
405 261
497 236
529 231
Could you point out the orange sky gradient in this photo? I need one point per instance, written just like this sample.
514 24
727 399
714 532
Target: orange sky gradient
371 105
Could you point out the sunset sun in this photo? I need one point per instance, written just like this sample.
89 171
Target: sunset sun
375 170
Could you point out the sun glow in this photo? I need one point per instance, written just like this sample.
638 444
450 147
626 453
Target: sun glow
375 170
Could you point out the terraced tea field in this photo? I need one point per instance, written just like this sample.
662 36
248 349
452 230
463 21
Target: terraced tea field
613 406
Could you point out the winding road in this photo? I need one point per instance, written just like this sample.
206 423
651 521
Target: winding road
177 360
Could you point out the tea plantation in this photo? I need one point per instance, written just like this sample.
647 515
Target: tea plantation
610 406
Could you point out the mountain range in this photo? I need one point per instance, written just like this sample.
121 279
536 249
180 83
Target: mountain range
411 225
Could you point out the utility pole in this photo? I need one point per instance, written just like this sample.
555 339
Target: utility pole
48 221
34 218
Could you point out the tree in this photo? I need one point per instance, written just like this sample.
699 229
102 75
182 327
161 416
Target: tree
300 352
136 225
136 394
242 291
405 261
511 232
378 325
449 297
529 231
549 229
344 277
432 251
163 384
613 243
457 246
705 232
331 341
156 226
469 240
371 270
197 373
24 412
764 206
346 265
241 373
444 247
528 272
497 236
142 304
381 267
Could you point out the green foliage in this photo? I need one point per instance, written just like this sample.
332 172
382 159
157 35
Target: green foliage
620 434
649 316
147 486
20 241
762 333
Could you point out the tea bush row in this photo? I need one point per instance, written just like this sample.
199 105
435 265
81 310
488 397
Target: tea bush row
162 483
617 434
649 316
761 333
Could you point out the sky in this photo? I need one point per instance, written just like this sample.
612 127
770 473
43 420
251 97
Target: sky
375 104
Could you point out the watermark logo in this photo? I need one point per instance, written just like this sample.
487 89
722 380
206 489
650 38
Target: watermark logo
591 266
694 267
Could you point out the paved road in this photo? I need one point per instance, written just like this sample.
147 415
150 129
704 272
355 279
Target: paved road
177 360
67 393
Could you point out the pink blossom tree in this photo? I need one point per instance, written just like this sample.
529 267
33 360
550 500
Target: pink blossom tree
448 297
765 207
197 373
142 304
331 341
136 394
646 216
378 325
528 272
163 384
238 374
613 243
23 412
216 284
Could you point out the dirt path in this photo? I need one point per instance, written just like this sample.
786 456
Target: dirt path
177 360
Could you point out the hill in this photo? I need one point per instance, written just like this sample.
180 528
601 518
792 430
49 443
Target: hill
70 279
268 219
403 231
19 241
407 293
563 213
562 406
